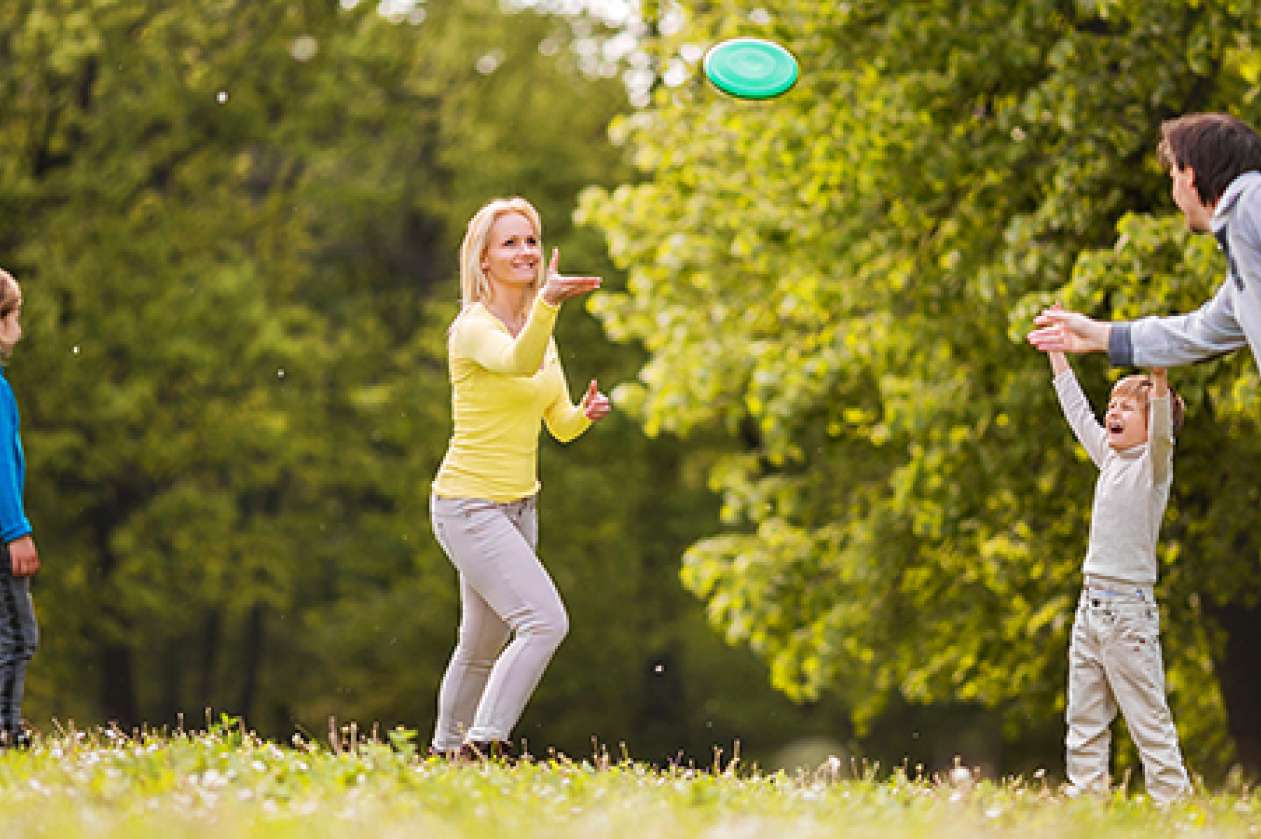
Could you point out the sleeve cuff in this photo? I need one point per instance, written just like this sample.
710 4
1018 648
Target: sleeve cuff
1120 345
16 531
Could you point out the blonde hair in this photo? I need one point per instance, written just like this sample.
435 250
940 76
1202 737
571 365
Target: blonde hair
1139 388
475 286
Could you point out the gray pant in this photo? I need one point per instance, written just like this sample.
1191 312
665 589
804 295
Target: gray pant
1114 660
504 590
19 636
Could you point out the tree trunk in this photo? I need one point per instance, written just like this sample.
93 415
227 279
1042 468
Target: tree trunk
1237 667
172 666
118 699
118 694
209 657
255 629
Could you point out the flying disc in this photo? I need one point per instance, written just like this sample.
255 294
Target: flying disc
750 68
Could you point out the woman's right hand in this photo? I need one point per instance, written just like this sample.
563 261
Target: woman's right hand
559 288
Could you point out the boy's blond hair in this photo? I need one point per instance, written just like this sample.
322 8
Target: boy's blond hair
1139 387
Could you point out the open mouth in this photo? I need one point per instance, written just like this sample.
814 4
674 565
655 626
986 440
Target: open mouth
1115 428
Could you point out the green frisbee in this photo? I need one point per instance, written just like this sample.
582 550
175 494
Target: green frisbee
750 68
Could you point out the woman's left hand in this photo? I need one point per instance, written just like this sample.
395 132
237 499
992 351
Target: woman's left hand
595 405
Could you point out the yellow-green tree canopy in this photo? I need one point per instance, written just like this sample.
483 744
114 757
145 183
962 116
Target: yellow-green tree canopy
841 278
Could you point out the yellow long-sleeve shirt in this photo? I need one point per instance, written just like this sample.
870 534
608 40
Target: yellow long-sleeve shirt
501 389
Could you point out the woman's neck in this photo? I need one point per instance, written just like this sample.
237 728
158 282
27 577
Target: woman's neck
509 305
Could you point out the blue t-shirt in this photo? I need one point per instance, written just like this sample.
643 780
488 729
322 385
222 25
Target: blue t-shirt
13 522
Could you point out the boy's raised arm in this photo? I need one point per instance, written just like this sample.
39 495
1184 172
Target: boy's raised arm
1160 424
1076 408
1059 362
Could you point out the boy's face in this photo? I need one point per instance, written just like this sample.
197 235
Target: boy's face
11 328
1126 422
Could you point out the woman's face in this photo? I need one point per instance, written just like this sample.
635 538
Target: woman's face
513 251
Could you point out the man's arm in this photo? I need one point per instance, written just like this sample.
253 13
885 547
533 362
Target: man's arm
1171 341
1209 331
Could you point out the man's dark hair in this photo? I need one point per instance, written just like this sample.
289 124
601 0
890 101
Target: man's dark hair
1218 147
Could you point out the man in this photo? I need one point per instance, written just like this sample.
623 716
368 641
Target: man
1214 162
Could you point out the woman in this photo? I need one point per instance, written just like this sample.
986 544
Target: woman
506 377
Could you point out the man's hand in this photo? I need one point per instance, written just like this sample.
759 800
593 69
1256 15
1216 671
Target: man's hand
1069 332
24 556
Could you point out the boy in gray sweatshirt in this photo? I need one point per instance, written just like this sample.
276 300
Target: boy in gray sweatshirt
1114 657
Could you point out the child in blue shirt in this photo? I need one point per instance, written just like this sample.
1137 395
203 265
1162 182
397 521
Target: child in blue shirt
19 559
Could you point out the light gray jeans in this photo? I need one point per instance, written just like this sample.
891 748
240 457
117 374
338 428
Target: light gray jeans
504 591
1114 660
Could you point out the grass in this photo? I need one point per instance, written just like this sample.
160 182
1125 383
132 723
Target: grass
226 782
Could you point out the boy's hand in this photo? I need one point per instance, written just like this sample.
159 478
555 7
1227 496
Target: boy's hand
1160 382
1059 363
24 556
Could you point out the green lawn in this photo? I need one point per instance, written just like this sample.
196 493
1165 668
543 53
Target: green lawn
224 782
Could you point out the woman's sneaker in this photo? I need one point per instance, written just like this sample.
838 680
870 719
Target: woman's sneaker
500 751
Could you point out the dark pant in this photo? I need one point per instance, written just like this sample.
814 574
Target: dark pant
19 636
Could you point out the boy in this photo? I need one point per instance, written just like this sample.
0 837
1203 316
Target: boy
1114 657
19 558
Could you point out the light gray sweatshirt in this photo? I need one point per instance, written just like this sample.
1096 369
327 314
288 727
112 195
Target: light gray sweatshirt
1231 319
1132 490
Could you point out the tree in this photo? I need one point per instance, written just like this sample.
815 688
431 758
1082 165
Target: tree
840 280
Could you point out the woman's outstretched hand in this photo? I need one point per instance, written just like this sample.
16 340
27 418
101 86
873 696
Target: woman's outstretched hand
559 287
595 405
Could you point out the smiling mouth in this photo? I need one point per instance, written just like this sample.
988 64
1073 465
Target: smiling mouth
1115 428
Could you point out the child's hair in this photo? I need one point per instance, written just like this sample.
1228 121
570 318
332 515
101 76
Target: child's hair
1139 387
10 293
